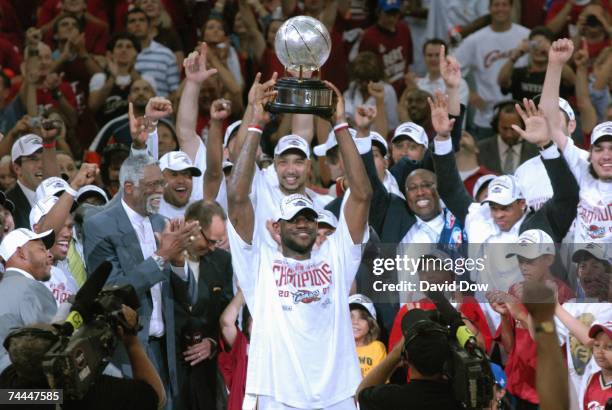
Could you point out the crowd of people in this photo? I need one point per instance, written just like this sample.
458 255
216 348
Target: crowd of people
137 132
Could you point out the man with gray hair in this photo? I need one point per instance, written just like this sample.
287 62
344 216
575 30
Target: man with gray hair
145 250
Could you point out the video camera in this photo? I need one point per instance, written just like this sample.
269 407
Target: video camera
89 336
467 367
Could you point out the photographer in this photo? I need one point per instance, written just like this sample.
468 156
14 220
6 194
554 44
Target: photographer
28 346
424 349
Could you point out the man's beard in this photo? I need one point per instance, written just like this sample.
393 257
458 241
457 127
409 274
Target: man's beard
152 204
289 243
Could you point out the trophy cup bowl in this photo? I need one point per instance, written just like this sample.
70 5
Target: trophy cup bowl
302 44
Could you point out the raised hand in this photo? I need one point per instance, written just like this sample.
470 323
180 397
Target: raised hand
263 97
450 69
536 127
33 37
195 65
255 93
339 115
85 176
439 114
581 57
198 352
560 52
140 127
157 108
175 238
364 116
220 109
377 90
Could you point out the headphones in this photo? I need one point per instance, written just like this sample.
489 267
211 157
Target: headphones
420 328
498 109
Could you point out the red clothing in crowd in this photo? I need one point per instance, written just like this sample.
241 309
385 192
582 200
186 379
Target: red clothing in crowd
597 392
45 97
564 292
233 367
468 308
394 50
10 25
470 181
269 64
533 13
557 6
9 56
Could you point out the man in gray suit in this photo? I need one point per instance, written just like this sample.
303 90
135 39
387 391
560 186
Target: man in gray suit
504 152
23 299
145 250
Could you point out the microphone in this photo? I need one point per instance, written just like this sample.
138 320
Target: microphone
450 315
81 310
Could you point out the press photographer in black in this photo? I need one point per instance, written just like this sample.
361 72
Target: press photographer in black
27 347
424 349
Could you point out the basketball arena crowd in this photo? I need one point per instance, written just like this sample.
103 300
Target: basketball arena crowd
169 240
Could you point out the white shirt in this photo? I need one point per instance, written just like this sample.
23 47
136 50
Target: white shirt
503 152
300 309
485 52
429 85
146 239
170 211
594 217
29 194
22 272
425 231
391 184
353 99
61 284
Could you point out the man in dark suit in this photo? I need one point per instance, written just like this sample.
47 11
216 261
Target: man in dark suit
197 324
504 152
125 234
23 299
27 158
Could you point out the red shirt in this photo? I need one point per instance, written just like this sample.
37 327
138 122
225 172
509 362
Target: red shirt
269 64
233 367
45 97
394 50
558 5
564 292
597 393
469 308
471 180
533 13
9 56
10 25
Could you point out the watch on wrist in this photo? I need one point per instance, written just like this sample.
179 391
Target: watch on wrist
547 326
159 260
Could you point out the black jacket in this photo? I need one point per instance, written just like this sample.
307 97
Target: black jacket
21 216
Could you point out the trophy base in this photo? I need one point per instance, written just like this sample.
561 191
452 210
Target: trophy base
302 96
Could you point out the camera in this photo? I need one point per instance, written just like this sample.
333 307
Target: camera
77 359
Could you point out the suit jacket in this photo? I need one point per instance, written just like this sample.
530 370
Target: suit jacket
23 301
21 215
109 236
489 154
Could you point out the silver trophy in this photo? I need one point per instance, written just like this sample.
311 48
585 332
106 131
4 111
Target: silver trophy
302 44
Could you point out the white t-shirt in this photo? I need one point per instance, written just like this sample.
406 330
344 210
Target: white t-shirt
170 211
302 350
61 284
429 85
446 14
484 53
579 358
594 217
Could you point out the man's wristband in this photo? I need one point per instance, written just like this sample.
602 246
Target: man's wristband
256 128
340 127
71 191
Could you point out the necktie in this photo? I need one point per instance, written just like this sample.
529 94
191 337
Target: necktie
508 167
76 265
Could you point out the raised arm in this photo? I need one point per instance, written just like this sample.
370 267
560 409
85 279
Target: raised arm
241 213
588 115
227 321
450 70
219 111
560 52
250 22
357 204
196 73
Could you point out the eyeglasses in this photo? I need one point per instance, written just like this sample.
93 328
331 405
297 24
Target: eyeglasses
213 242
428 186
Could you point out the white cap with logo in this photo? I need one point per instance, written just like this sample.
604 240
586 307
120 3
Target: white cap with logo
19 237
412 131
601 130
364 301
87 190
533 243
293 204
41 208
229 131
328 218
503 190
25 146
292 141
178 161
595 250
321 149
52 186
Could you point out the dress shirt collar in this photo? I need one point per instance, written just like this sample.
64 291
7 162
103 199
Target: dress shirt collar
29 194
22 272
503 147
135 218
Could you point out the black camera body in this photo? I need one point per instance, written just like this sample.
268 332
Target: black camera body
76 360
471 376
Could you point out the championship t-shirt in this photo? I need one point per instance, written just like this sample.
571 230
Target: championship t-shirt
594 216
370 356
302 350
61 284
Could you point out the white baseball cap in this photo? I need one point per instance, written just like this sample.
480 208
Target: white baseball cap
480 182
533 243
87 190
413 131
567 108
292 141
51 186
321 149
595 250
178 161
363 301
377 138
41 208
229 131
19 237
328 218
25 146
601 130
293 204
503 190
